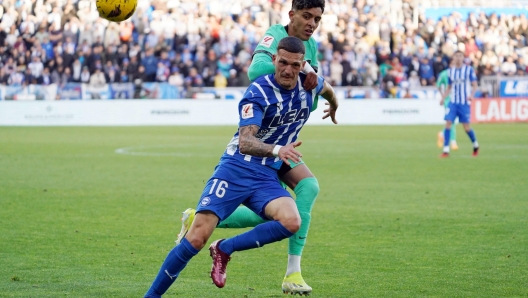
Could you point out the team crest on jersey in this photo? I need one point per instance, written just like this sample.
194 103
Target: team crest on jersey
247 111
267 41
302 95
205 201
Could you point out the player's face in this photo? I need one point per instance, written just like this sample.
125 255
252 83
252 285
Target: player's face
287 68
458 59
303 22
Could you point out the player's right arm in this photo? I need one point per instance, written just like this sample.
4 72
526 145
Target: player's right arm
249 144
445 95
262 62
441 84
251 111
447 91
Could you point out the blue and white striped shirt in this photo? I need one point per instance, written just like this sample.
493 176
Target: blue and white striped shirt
280 114
460 80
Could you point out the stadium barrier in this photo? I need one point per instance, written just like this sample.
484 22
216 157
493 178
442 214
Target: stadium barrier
500 110
203 112
77 91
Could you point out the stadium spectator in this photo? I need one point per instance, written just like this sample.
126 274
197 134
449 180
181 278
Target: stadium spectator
336 70
232 81
45 78
368 36
426 72
97 78
509 68
220 81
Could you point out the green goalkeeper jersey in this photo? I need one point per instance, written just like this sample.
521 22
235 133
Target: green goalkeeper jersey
443 83
262 56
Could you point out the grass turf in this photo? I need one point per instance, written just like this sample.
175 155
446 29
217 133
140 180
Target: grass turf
392 219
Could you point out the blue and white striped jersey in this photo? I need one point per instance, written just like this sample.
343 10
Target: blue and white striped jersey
279 113
460 80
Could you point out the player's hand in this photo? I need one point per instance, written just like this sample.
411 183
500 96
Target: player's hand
288 152
311 81
470 99
330 112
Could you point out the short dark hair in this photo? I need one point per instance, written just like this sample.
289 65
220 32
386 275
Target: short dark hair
458 52
291 44
307 4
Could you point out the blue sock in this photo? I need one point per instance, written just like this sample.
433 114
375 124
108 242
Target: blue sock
447 136
260 235
176 260
472 136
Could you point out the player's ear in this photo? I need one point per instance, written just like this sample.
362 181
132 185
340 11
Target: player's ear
274 58
290 14
303 64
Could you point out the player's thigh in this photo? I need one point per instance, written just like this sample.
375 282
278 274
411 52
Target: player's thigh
266 191
464 114
281 208
293 174
222 196
284 210
451 113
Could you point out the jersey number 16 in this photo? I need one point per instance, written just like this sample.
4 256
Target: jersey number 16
220 190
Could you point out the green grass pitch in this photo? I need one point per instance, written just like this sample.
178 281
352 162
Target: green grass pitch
78 219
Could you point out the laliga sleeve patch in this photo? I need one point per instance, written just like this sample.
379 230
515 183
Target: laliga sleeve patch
267 41
247 111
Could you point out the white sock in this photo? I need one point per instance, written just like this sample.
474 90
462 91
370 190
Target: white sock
294 264
446 149
475 144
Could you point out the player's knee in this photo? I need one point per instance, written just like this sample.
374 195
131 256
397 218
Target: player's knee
197 241
312 186
292 222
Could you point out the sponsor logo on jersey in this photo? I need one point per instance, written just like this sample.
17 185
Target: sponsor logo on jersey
290 117
247 111
267 41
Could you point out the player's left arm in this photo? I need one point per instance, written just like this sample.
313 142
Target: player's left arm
328 93
310 69
474 84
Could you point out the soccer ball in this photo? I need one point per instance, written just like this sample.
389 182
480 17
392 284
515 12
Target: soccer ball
116 10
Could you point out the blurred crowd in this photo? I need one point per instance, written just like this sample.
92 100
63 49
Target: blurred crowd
195 43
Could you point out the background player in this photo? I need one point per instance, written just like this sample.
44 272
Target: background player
272 112
442 83
462 88
305 17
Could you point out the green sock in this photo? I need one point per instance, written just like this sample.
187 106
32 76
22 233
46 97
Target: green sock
243 217
306 192
453 132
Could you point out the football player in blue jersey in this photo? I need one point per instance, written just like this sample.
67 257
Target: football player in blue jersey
461 90
272 112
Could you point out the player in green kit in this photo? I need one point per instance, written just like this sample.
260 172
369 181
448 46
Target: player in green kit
305 17
442 83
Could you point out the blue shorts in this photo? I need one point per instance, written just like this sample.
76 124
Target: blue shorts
463 112
234 183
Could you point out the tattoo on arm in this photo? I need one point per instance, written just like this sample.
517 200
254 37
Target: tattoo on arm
249 144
